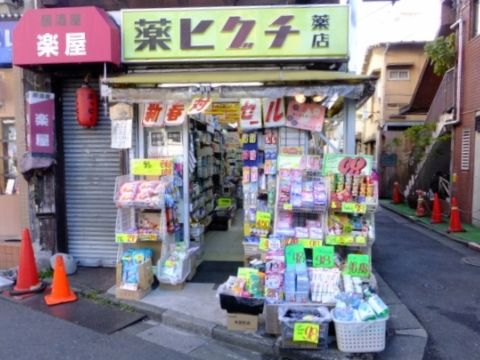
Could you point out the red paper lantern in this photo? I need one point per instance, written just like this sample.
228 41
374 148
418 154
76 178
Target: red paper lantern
87 106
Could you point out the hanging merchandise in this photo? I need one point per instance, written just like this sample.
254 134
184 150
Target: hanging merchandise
87 106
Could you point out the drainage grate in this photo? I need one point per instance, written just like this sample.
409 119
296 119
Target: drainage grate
472 260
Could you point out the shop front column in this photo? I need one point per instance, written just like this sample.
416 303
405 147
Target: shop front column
349 126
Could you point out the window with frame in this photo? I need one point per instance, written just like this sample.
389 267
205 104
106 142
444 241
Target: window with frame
476 17
8 154
399 74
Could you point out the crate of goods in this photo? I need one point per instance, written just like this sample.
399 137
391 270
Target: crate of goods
360 336
242 305
304 327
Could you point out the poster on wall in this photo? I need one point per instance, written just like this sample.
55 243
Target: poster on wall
154 114
306 116
250 114
40 111
175 114
121 134
274 113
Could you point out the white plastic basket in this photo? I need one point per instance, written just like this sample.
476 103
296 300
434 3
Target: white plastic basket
360 337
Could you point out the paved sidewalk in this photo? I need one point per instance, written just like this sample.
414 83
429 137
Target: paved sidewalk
406 338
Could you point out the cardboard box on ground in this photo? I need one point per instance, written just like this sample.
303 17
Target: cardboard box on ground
242 322
145 281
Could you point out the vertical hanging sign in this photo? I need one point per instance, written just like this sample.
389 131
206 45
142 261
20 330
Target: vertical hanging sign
274 113
176 113
154 114
250 114
40 122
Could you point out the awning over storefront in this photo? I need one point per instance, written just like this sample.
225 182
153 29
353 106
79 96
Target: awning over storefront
143 87
239 76
65 36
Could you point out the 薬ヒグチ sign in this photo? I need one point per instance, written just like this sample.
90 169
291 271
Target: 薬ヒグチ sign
235 33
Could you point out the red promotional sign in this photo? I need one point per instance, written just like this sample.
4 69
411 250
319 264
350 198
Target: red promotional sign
274 112
66 35
306 116
41 122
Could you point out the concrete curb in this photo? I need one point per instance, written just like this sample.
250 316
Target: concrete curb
472 245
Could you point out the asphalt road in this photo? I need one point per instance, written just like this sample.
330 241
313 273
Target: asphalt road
427 273
26 334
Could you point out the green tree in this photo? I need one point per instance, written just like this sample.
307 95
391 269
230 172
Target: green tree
441 53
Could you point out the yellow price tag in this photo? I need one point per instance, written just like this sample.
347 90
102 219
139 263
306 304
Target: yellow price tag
306 332
262 220
287 207
152 167
125 238
263 244
247 229
361 240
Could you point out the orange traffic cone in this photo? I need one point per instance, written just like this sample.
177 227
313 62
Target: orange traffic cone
61 292
396 194
421 210
436 211
455 223
27 280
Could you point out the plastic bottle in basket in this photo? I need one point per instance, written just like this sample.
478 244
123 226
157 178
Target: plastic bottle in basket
376 304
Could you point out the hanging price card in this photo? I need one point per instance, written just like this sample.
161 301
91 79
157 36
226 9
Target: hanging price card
294 254
306 332
323 257
288 207
309 243
263 244
354 208
125 238
153 167
358 265
262 220
224 202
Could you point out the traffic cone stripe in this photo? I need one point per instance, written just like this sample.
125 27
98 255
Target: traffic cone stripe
61 292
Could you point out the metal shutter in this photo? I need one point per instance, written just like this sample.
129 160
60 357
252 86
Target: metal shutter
90 170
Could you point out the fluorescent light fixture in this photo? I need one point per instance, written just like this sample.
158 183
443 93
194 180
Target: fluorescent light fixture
300 98
253 83
178 85
213 85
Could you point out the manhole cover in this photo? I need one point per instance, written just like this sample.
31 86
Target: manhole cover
472 260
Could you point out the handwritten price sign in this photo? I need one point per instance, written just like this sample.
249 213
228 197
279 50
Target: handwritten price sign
306 332
354 208
323 257
152 167
262 220
294 254
358 265
125 238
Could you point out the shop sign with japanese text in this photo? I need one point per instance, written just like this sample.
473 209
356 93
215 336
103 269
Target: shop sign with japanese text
66 35
6 29
40 109
235 33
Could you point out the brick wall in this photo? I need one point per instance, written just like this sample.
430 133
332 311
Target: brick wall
470 103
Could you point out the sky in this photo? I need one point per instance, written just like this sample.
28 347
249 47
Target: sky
381 21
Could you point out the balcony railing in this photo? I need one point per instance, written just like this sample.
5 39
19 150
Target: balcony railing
444 100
